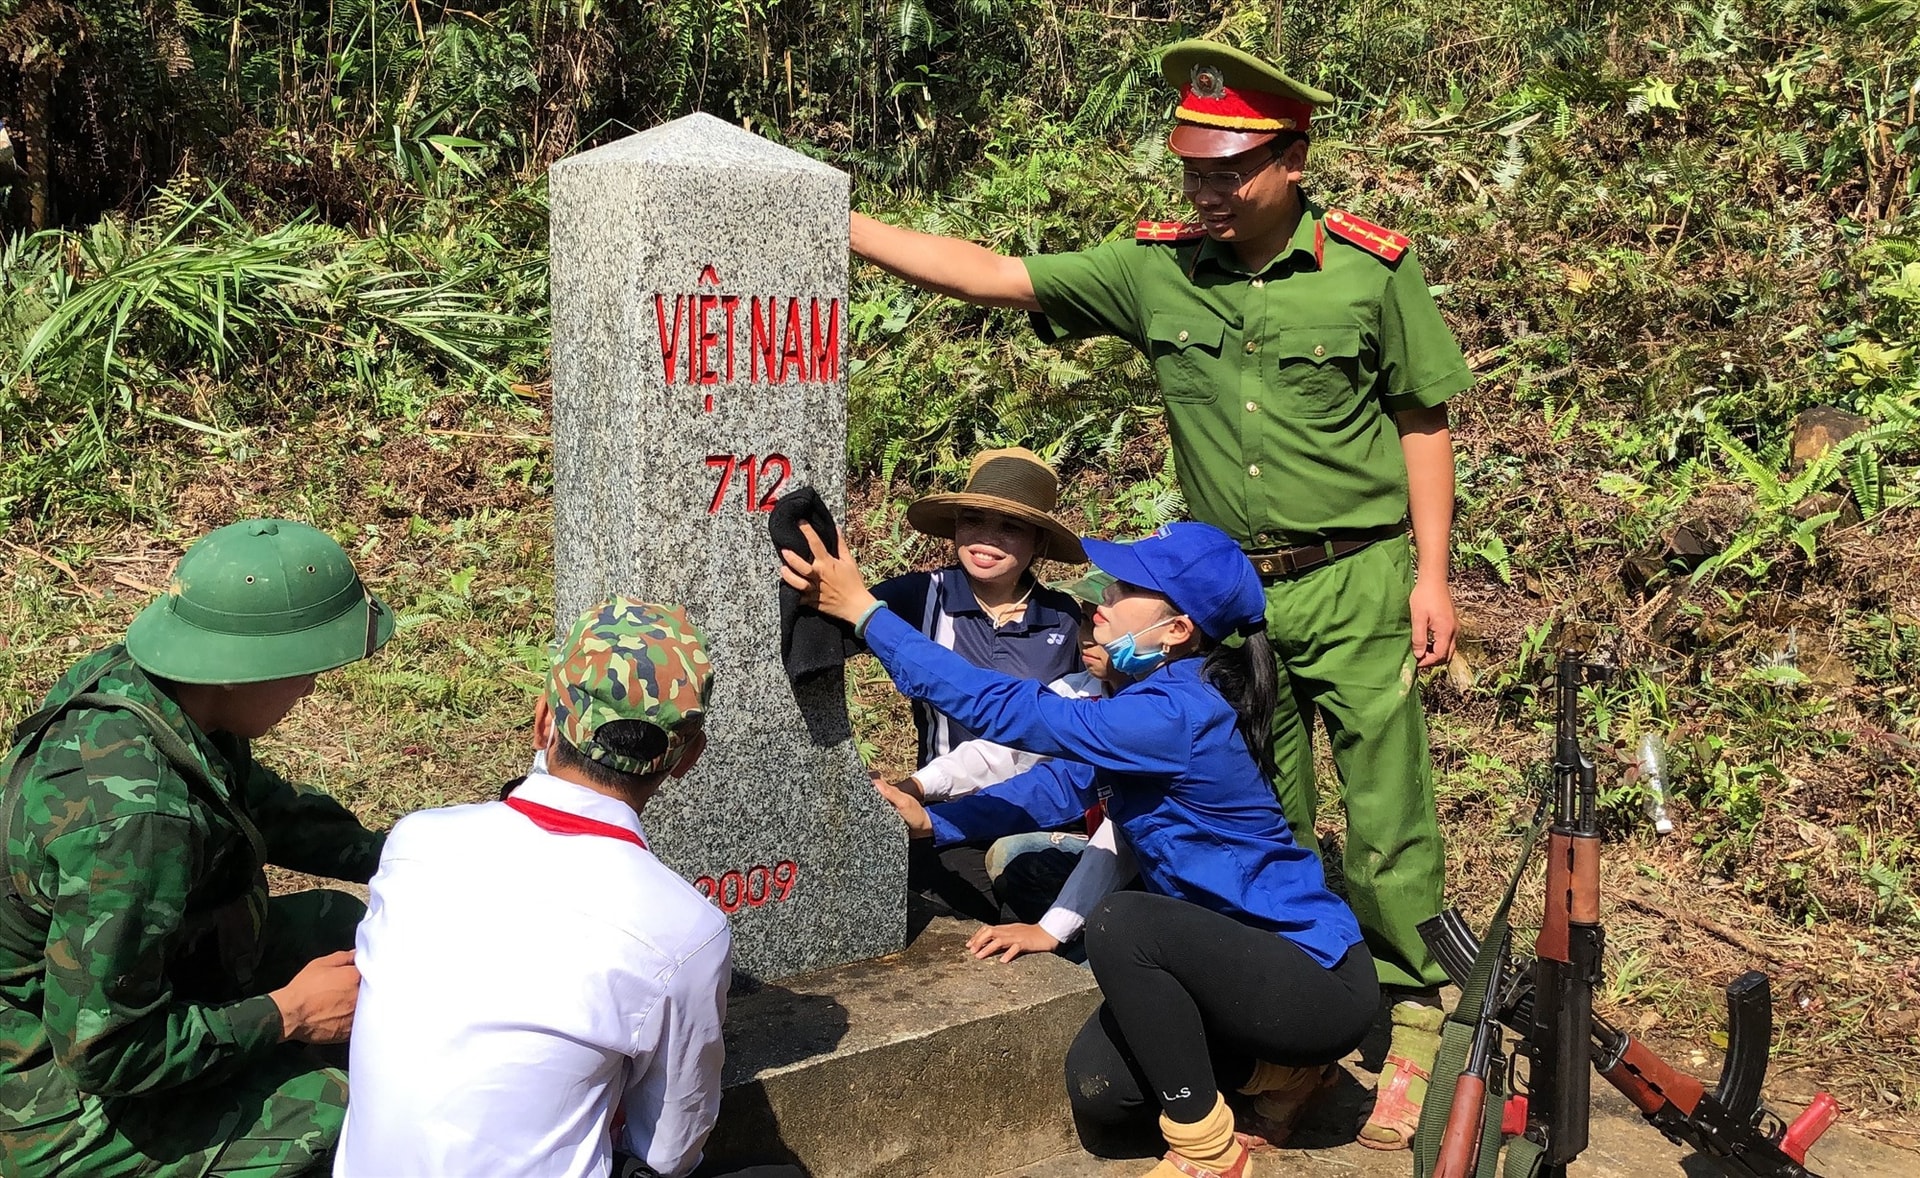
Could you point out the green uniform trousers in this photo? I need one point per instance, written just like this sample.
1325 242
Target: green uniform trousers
1343 636
277 1118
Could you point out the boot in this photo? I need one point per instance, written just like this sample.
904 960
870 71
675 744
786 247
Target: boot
1403 1079
1203 1150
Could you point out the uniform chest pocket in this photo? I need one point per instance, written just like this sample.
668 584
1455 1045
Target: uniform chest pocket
1319 370
1185 350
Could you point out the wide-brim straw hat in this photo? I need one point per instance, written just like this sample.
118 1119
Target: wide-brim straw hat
1013 482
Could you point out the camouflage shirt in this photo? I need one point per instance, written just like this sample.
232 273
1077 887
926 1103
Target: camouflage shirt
133 899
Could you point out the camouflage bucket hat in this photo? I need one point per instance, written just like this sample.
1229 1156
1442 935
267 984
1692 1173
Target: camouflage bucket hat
631 660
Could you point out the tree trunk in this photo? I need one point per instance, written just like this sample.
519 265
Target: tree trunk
36 124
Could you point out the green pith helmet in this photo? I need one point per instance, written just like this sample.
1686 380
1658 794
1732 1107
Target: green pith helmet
258 600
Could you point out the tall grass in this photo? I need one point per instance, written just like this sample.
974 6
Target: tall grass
193 318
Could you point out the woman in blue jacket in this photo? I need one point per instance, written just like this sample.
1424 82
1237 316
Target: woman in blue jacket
1236 968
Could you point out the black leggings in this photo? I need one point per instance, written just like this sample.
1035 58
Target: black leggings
1193 1000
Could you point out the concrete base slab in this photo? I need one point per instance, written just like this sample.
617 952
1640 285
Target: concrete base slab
929 1064
925 1063
1621 1144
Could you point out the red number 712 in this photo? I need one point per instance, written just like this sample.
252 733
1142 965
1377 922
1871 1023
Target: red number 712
773 466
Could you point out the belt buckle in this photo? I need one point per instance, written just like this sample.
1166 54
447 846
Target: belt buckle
1274 564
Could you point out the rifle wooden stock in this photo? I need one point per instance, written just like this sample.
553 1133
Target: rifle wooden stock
1460 1144
1652 1085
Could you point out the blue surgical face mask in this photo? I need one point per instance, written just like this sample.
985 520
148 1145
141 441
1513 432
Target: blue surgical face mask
1127 659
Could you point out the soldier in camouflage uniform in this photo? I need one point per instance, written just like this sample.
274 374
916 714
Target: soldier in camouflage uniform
158 1010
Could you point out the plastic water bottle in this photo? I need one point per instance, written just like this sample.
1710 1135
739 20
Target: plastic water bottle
1653 770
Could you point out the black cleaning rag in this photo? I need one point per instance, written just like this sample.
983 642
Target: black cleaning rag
810 641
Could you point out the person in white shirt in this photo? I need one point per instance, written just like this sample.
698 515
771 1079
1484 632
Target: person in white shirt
538 991
1049 881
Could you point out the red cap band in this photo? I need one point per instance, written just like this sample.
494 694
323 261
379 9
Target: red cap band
1243 110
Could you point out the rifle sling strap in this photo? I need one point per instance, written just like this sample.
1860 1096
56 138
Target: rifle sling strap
1456 1040
1523 1158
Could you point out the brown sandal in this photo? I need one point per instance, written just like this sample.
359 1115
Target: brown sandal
1271 1118
1241 1167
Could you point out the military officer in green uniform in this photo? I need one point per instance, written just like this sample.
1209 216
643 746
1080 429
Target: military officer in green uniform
158 1010
1305 372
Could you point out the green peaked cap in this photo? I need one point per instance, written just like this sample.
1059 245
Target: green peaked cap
1232 101
1239 71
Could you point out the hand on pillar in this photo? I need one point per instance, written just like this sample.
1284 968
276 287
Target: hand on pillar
830 582
912 811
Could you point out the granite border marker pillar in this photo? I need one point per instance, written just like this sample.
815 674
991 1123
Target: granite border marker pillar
699 328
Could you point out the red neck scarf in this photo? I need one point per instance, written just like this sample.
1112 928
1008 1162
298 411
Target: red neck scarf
561 822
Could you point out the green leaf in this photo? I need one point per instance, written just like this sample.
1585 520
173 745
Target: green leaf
1656 94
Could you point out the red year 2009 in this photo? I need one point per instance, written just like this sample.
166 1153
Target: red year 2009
752 888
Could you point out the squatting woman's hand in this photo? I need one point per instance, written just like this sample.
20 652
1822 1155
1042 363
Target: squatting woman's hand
830 582
1010 941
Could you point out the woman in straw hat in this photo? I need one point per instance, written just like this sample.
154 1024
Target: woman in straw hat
990 609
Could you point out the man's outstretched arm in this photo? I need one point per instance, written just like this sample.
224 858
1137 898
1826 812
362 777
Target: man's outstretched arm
945 265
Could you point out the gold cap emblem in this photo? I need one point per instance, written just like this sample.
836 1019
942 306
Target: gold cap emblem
1209 82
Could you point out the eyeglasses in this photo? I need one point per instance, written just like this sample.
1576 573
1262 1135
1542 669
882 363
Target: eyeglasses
1223 183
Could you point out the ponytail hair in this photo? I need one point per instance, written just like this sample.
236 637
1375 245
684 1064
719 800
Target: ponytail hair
1245 675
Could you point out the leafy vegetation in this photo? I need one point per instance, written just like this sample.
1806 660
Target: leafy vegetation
292 257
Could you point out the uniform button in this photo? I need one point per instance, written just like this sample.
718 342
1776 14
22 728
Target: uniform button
1253 345
1318 350
1258 283
1252 408
1254 471
1183 337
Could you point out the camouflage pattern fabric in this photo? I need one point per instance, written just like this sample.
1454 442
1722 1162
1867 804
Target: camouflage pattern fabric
1089 588
137 943
631 660
279 1118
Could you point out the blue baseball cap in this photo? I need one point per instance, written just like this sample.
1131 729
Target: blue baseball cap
1198 567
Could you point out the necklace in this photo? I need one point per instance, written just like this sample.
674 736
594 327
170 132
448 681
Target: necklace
1008 611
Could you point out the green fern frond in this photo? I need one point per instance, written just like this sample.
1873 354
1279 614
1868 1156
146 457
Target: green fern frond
1867 479
1763 478
1795 152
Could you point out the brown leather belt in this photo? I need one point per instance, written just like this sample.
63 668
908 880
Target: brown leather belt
1274 563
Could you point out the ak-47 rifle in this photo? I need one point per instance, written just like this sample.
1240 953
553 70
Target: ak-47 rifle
1549 1002
1567 953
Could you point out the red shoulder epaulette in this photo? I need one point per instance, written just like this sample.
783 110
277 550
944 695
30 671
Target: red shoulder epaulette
1169 231
1381 242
